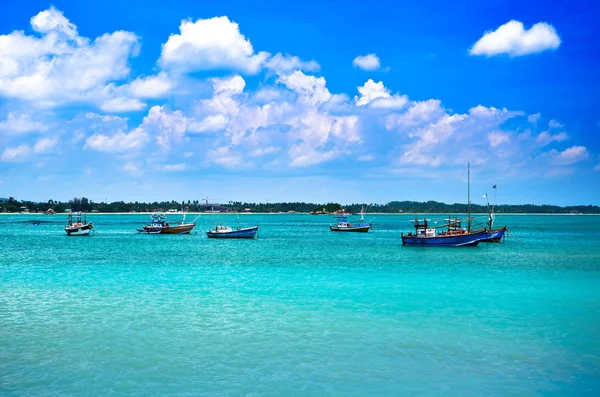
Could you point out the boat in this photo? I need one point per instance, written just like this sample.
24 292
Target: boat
77 227
343 225
454 236
494 235
159 225
222 231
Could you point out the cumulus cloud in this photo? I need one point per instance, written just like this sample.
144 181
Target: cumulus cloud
150 86
119 142
376 95
512 39
545 138
288 63
366 62
214 43
45 145
21 123
58 66
15 153
533 118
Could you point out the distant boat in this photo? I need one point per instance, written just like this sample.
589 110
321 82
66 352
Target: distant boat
221 231
159 225
77 227
454 236
344 226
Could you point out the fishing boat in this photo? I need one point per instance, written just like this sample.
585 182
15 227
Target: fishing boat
159 225
343 225
494 235
78 227
454 236
222 231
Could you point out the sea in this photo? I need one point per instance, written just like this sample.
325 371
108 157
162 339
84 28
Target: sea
299 311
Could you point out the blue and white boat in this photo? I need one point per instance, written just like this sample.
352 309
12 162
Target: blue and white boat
221 231
455 236
343 225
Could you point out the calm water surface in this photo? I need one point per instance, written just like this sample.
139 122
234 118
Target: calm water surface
299 311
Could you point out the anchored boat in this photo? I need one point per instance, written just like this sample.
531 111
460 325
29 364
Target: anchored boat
159 225
77 226
221 231
343 225
453 236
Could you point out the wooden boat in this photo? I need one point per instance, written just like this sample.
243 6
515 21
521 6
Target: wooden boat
77 227
454 236
344 226
159 225
494 235
221 231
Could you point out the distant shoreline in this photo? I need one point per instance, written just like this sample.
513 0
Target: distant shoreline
296 213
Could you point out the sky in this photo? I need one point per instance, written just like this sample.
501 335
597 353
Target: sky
318 101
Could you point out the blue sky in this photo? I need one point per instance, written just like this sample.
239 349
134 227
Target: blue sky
318 101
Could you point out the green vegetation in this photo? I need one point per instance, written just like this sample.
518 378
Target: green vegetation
86 205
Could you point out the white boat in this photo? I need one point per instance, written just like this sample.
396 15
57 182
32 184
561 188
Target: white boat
77 226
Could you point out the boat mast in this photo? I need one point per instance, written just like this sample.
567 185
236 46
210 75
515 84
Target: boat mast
469 197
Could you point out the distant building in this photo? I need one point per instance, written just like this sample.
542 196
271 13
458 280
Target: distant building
50 211
246 209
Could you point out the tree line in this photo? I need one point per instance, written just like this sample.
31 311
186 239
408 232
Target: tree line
86 205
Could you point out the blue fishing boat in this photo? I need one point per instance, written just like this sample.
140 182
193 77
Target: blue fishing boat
343 225
455 236
221 231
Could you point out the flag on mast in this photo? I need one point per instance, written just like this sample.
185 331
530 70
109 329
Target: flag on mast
493 187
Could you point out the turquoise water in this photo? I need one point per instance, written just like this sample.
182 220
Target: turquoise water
299 311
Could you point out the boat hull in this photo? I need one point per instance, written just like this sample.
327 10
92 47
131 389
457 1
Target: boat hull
357 229
456 240
249 232
494 235
177 229
83 230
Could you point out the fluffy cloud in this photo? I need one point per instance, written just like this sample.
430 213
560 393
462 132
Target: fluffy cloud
533 118
20 123
58 66
376 95
119 142
571 155
45 145
366 62
14 154
150 86
288 63
214 43
512 39
545 138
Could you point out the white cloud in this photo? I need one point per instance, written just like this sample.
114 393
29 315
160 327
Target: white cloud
554 124
188 154
376 95
133 168
512 39
223 156
533 118
45 145
311 89
545 138
216 122
21 124
14 154
122 104
119 142
498 138
150 86
366 62
214 43
288 63
174 167
167 126
571 155
58 66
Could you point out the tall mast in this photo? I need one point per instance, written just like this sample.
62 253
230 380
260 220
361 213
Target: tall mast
469 197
